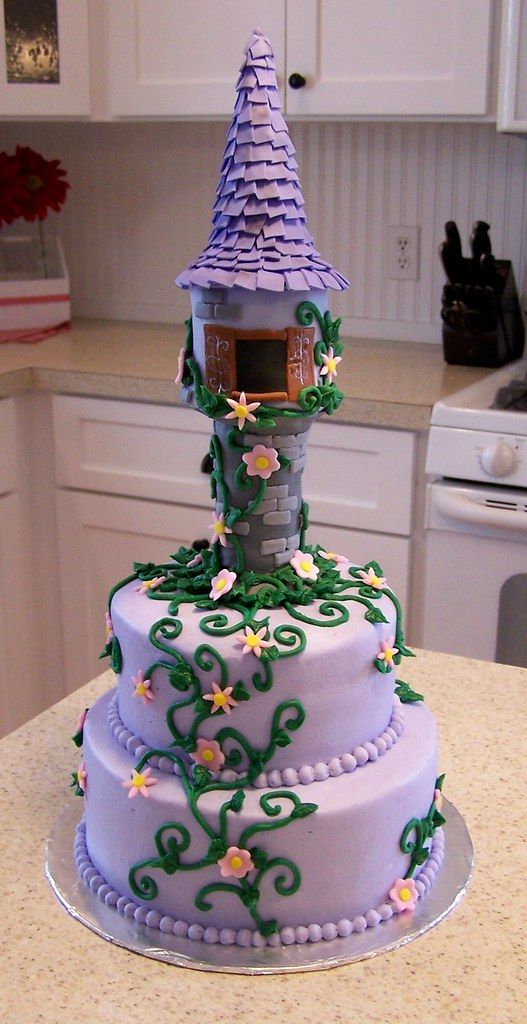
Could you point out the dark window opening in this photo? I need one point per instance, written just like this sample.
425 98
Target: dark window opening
261 365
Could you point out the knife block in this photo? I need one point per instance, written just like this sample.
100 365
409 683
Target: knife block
478 336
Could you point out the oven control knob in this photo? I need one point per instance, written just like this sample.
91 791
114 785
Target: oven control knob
498 459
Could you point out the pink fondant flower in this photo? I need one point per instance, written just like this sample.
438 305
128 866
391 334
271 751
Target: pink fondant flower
242 410
82 777
221 699
371 578
388 651
261 461
197 560
208 754
331 556
252 641
438 800
180 366
146 585
139 783
236 862
108 625
219 530
222 583
404 894
330 362
304 565
143 688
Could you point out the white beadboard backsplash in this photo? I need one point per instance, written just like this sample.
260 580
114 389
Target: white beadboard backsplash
141 196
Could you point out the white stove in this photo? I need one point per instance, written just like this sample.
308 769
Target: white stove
476 521
471 440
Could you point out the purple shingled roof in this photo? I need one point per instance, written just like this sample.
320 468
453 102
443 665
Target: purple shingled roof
259 236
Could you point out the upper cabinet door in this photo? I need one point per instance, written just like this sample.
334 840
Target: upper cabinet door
179 59
512 93
405 57
44 58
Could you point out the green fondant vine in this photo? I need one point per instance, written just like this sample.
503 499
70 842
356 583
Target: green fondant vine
422 829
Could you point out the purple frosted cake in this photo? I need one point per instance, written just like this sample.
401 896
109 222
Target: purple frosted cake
258 775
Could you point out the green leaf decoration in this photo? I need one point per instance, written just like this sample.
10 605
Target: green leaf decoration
217 850
382 666
200 776
374 615
405 693
249 898
116 656
282 739
268 927
237 800
259 857
239 692
304 810
147 569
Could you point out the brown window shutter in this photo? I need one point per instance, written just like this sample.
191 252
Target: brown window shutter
220 358
300 360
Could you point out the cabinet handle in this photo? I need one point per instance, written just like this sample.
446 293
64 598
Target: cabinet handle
296 80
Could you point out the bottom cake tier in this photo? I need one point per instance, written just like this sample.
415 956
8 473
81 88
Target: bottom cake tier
287 865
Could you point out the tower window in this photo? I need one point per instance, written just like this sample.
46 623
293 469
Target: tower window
266 365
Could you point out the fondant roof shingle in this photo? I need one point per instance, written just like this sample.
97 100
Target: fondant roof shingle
259 236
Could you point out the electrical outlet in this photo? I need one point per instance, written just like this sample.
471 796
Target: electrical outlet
403 253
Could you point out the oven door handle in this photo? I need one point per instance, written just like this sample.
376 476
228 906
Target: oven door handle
463 509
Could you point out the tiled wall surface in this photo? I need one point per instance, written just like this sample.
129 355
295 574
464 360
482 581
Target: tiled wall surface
140 205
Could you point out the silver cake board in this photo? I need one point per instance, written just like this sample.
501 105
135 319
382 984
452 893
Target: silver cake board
448 889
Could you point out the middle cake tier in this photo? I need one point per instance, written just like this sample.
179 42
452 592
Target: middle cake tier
292 688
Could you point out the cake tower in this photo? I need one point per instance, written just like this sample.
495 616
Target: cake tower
258 775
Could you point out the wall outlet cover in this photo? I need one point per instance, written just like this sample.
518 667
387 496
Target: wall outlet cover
403 252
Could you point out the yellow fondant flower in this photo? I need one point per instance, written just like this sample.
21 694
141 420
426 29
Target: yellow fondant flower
242 410
370 577
388 651
146 585
304 566
143 688
221 699
253 642
331 556
139 783
219 530
330 362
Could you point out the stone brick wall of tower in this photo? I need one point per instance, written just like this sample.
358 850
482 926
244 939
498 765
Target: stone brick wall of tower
270 535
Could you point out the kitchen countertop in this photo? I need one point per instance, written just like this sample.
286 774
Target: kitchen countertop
466 970
385 383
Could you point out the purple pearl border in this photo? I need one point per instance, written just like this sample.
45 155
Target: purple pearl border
304 776
287 936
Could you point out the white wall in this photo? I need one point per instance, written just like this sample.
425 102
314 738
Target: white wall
141 198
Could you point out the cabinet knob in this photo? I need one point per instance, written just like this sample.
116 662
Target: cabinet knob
296 80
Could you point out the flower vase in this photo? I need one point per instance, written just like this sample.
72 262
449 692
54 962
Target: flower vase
34 284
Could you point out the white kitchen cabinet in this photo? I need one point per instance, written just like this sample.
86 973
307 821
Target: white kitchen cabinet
407 57
100 536
364 58
32 50
180 59
512 90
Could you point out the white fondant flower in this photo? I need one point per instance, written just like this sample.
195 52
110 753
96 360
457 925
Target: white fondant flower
108 625
221 699
330 362
261 461
146 585
139 783
219 530
242 410
222 583
197 560
252 641
82 777
438 800
180 366
236 862
143 688
371 578
331 556
304 566
388 651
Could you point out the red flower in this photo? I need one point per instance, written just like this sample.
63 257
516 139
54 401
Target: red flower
43 184
12 191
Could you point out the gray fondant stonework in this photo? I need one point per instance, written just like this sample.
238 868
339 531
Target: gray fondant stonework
271 534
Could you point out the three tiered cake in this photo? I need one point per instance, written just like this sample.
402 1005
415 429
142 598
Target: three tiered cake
258 776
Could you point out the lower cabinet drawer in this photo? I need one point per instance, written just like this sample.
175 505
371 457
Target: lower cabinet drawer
144 451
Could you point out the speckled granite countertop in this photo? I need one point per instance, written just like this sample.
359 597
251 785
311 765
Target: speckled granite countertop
466 970
385 383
